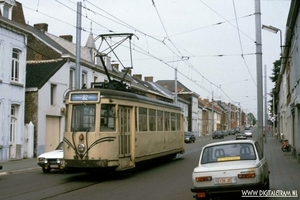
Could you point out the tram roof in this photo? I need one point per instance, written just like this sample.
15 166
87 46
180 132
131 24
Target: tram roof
127 96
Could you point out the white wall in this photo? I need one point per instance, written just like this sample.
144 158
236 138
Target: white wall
11 92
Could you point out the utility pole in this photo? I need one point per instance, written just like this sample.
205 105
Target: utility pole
212 113
229 117
175 89
259 72
266 105
78 47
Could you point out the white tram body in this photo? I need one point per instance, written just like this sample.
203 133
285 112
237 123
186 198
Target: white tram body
110 129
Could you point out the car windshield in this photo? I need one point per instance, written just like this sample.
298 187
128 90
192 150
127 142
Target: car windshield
60 146
187 134
228 152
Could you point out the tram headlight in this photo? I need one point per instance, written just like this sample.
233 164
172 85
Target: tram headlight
81 148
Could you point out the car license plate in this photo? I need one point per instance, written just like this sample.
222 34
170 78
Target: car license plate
225 180
53 166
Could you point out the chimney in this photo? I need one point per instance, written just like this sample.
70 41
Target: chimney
42 27
149 78
67 37
137 76
129 71
116 66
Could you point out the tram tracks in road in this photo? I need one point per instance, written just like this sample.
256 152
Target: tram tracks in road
71 184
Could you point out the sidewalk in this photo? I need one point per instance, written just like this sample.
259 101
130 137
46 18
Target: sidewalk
284 168
17 166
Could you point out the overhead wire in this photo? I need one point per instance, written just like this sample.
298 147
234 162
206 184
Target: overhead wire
146 35
167 37
241 45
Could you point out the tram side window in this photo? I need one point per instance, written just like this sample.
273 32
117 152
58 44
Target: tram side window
66 118
142 119
167 121
160 120
173 120
152 120
108 114
83 117
178 122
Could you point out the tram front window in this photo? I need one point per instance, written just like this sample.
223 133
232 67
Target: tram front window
83 117
108 114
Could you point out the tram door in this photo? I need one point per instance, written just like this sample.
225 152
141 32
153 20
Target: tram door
124 137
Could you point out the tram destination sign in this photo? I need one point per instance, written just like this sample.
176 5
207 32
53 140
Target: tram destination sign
84 97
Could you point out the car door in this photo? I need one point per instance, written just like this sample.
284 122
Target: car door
263 161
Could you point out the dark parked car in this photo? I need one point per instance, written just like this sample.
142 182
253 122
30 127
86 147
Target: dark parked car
231 132
225 132
237 130
189 137
218 134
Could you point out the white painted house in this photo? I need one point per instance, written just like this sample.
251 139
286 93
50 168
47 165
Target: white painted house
13 41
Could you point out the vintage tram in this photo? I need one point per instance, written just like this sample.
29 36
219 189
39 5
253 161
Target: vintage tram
116 130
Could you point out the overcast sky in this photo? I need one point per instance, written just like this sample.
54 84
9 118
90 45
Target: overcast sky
210 42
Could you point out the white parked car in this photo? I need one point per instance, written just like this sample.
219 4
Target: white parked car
52 159
248 133
230 166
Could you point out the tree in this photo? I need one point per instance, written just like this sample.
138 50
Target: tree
274 79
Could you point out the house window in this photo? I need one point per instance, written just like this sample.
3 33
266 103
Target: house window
95 79
5 11
13 123
52 94
83 79
71 80
15 66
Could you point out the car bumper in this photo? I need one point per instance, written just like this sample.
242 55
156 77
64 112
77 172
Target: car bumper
228 189
241 137
218 137
50 165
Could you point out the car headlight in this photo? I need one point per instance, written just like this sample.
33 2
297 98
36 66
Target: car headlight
42 160
81 148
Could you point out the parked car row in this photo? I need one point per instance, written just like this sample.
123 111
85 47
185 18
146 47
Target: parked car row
222 134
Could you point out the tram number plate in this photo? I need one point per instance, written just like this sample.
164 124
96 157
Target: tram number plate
225 180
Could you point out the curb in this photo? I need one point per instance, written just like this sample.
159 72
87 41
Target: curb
20 171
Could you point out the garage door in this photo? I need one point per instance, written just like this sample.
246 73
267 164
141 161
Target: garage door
52 133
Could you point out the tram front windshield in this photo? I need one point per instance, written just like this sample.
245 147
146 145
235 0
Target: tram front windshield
83 117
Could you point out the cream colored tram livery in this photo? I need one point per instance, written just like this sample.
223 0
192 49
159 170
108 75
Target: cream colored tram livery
110 129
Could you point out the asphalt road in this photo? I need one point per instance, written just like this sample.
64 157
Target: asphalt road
171 180
163 181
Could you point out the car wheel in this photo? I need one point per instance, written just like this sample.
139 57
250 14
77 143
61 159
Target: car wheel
267 186
46 170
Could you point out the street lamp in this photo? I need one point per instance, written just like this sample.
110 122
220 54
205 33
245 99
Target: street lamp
274 30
